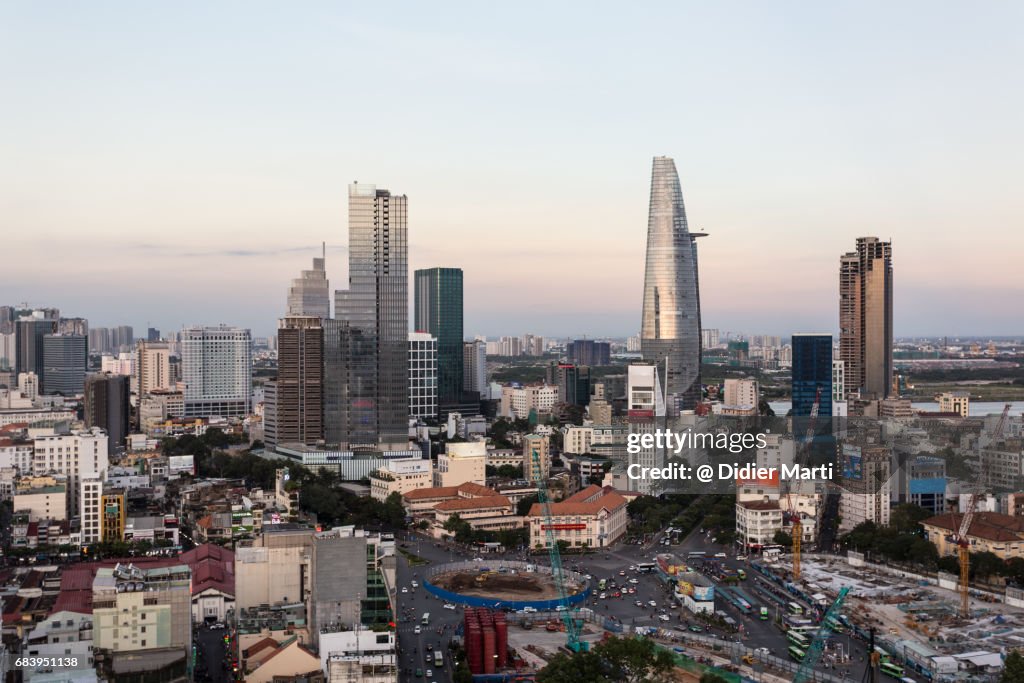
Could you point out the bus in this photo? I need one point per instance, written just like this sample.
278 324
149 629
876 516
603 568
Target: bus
764 614
890 669
426 619
794 608
696 555
796 653
834 625
742 574
602 584
882 654
438 659
798 639
646 567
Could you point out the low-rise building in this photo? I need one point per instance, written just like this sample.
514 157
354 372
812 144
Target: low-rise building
486 513
42 497
1002 535
136 609
364 656
399 476
594 517
462 462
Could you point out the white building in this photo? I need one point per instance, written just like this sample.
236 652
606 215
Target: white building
422 375
741 393
778 450
838 381
866 486
645 402
90 497
63 635
153 367
80 455
955 402
474 367
517 402
363 656
577 440
121 364
399 476
28 385
460 463
17 455
216 368
42 498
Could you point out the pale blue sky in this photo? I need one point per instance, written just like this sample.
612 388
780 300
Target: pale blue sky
179 162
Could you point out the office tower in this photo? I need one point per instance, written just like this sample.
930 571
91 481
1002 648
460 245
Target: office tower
709 338
107 400
64 357
216 367
438 312
670 330
366 347
423 375
474 367
645 411
812 371
296 400
153 367
572 381
8 349
29 343
152 334
865 317
7 316
633 344
310 293
122 338
588 352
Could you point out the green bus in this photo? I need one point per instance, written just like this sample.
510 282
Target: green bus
764 614
798 639
890 669
834 625
602 584
796 653
742 574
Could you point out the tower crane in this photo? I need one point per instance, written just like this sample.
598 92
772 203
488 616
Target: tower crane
572 627
963 544
796 526
820 637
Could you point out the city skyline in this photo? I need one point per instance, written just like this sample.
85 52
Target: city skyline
788 156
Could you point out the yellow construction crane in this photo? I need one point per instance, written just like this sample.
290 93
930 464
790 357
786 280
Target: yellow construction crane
793 515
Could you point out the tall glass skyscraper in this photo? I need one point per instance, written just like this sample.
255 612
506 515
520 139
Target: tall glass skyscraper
366 348
310 293
812 372
670 327
438 312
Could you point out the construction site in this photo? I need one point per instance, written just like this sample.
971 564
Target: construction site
503 582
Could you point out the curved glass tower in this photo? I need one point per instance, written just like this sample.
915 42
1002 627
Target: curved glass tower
670 328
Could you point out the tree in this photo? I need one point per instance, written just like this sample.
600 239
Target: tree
635 660
906 518
986 564
1013 668
524 505
782 538
580 666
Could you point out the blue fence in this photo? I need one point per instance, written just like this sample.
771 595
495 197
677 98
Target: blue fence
474 601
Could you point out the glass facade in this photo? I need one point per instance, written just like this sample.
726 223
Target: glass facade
812 370
438 312
366 348
670 326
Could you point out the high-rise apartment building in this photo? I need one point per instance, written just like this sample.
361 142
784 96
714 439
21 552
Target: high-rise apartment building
99 340
838 381
64 360
423 375
310 293
122 338
294 408
670 330
741 395
572 381
645 406
216 367
152 334
865 317
80 455
107 400
708 338
866 484
438 312
153 367
474 367
366 376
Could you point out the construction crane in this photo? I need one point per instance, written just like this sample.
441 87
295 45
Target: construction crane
963 544
796 526
813 653
572 627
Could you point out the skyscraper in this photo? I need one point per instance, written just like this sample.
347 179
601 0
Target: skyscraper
438 312
153 367
107 401
474 367
216 367
64 358
588 352
310 293
670 327
422 375
366 374
865 317
812 370
294 408
29 334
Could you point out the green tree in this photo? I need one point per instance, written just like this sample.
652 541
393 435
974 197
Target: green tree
524 505
782 538
906 518
635 660
986 564
575 668
1013 668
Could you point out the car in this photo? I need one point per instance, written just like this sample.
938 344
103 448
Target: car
616 594
428 657
216 626
449 605
632 567
664 617
639 604
429 673
741 558
559 608
529 609
417 630
622 573
634 581
720 555
413 584
588 577
603 596
696 629
652 603
632 591
762 651
430 646
419 673
405 589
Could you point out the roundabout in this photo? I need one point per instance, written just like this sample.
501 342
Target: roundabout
503 584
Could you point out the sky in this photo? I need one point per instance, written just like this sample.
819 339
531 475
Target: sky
179 163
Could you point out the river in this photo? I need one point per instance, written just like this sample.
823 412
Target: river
977 409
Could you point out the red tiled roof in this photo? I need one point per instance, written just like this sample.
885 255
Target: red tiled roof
610 501
427 493
991 526
474 503
259 646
